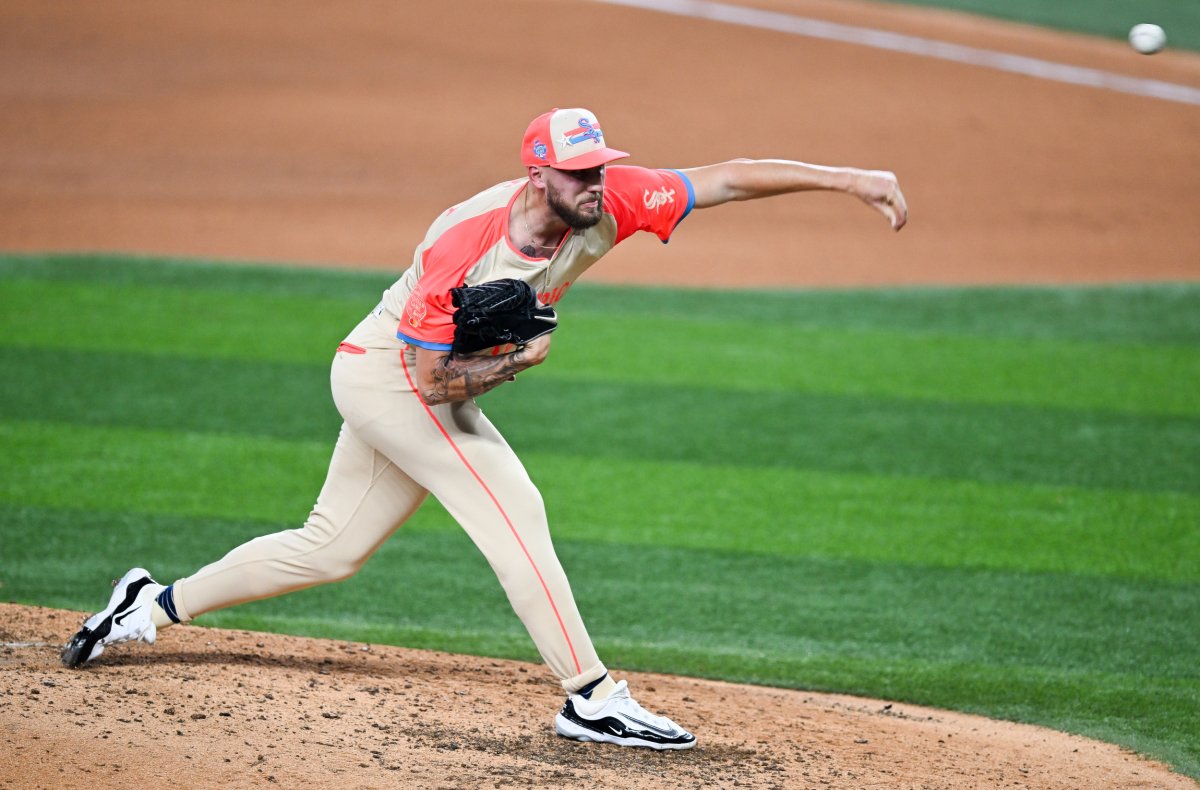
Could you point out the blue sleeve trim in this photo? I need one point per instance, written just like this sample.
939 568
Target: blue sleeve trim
412 341
691 193
691 200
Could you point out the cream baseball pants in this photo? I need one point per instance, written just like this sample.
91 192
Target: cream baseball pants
394 450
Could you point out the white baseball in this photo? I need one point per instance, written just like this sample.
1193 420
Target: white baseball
1147 39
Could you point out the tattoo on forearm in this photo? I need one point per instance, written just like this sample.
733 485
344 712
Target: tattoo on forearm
459 378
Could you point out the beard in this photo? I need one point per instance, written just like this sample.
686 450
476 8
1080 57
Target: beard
574 217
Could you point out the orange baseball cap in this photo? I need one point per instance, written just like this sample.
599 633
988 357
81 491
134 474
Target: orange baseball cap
567 140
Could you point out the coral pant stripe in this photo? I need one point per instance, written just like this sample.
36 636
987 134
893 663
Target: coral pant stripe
499 507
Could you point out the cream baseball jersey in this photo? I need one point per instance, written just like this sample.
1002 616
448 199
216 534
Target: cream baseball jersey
469 244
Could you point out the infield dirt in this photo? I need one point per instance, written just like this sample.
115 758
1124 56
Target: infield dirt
237 709
333 134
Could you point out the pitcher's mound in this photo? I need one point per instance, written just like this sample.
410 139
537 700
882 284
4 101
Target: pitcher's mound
215 708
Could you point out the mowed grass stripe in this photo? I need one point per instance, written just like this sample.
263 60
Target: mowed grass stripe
921 521
730 354
267 281
861 435
168 321
1160 313
281 399
1150 314
1120 651
624 420
750 357
787 512
159 471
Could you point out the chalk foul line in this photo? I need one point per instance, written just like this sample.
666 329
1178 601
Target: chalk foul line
923 47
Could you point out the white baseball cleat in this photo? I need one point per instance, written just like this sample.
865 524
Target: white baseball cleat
126 619
620 720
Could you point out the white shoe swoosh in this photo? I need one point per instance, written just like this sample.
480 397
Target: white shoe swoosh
649 726
125 614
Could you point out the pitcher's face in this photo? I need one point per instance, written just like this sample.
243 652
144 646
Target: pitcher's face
576 196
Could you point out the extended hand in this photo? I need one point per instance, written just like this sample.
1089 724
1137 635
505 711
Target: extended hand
880 190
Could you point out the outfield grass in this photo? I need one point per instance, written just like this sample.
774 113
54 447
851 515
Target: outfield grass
1111 18
982 499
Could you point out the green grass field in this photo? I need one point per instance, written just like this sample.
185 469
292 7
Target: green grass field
1110 18
981 499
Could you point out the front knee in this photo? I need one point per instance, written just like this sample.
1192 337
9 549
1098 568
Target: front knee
330 557
331 567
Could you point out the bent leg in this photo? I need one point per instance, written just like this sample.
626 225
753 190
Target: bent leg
456 453
364 500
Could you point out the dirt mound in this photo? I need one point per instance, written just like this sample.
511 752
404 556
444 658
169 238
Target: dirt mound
216 708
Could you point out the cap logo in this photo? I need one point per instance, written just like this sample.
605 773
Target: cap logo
585 131
539 149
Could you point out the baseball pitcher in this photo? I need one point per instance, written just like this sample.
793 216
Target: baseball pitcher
475 309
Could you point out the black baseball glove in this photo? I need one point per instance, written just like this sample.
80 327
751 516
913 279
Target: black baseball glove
496 314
